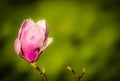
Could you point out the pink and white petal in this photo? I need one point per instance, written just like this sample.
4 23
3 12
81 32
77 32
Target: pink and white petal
34 37
17 46
25 23
42 24
47 43
46 32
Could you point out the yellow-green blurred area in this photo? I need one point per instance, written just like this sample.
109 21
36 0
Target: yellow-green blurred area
86 34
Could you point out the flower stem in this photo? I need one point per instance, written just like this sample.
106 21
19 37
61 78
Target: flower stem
75 75
41 71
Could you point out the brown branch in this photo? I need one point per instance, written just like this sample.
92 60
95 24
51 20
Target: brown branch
41 71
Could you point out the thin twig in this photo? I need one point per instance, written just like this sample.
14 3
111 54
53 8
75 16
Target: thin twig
75 75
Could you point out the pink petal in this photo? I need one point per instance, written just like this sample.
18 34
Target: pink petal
42 23
17 46
25 24
46 32
34 37
47 43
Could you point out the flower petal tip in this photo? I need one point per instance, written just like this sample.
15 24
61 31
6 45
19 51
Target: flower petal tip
49 40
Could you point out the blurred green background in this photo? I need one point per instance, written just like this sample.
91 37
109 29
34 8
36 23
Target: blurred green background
86 34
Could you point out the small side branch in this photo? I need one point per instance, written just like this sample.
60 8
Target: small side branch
75 75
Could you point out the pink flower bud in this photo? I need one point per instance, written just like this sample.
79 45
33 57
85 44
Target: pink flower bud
32 39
